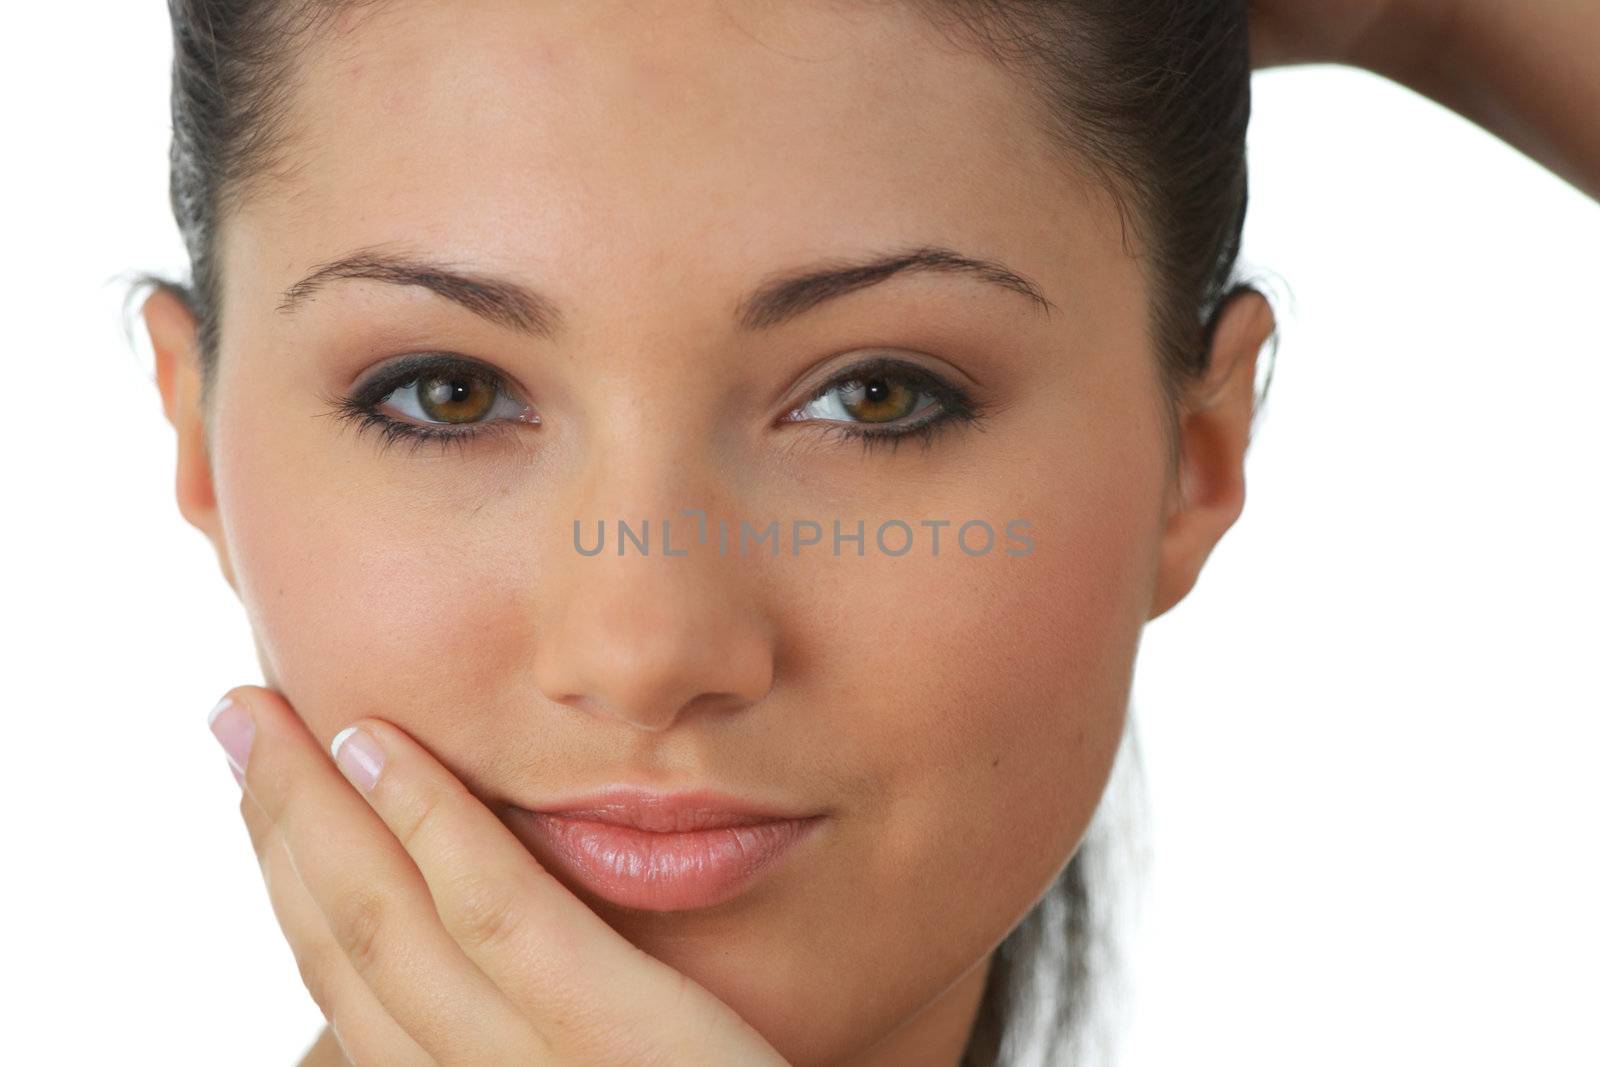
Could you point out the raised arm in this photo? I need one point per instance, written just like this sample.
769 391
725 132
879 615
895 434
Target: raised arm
1528 71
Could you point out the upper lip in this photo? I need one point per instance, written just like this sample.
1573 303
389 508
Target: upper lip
680 812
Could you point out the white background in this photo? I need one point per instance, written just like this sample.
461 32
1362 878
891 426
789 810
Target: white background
1369 734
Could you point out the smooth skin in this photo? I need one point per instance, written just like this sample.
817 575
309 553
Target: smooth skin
433 600
920 700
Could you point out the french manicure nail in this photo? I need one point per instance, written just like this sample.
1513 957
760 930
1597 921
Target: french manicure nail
234 729
358 756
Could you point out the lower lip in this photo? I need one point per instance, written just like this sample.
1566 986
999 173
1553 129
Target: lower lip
662 871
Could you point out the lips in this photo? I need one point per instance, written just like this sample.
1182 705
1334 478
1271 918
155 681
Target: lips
661 852
643 809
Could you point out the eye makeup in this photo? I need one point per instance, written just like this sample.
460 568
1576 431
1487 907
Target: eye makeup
431 383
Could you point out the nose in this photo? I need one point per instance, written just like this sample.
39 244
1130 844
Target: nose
648 638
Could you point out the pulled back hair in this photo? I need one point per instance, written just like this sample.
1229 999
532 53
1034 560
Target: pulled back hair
1150 99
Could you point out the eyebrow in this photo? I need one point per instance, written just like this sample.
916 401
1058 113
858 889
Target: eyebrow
775 302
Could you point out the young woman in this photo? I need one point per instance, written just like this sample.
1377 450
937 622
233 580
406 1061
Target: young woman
910 329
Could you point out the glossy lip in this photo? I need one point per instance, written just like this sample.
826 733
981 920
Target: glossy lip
647 809
709 846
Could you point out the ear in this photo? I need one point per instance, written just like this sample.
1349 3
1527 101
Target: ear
174 334
1213 434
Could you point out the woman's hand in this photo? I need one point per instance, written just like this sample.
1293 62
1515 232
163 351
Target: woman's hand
1524 70
428 934
1379 35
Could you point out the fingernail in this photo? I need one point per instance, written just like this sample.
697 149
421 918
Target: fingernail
358 756
234 729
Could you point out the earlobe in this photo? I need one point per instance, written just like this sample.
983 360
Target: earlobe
174 338
1214 434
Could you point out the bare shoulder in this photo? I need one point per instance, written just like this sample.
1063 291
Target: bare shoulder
325 1052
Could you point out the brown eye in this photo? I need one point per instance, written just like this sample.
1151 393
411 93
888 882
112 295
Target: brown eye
877 399
454 398
887 400
875 395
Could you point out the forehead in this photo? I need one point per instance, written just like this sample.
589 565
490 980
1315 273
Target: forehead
556 137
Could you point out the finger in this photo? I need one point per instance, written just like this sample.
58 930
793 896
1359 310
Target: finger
371 895
547 950
366 1033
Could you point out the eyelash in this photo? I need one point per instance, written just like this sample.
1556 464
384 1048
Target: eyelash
956 407
360 407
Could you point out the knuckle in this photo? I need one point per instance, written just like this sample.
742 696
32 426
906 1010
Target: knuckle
482 915
358 921
428 817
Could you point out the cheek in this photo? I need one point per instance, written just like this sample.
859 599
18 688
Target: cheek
978 703
1017 669
999 729
367 590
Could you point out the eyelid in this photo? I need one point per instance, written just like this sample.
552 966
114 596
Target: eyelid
396 373
361 406
950 396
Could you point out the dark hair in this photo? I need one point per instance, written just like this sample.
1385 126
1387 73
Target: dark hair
1148 98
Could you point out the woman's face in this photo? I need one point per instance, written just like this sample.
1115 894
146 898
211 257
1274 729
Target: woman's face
643 168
